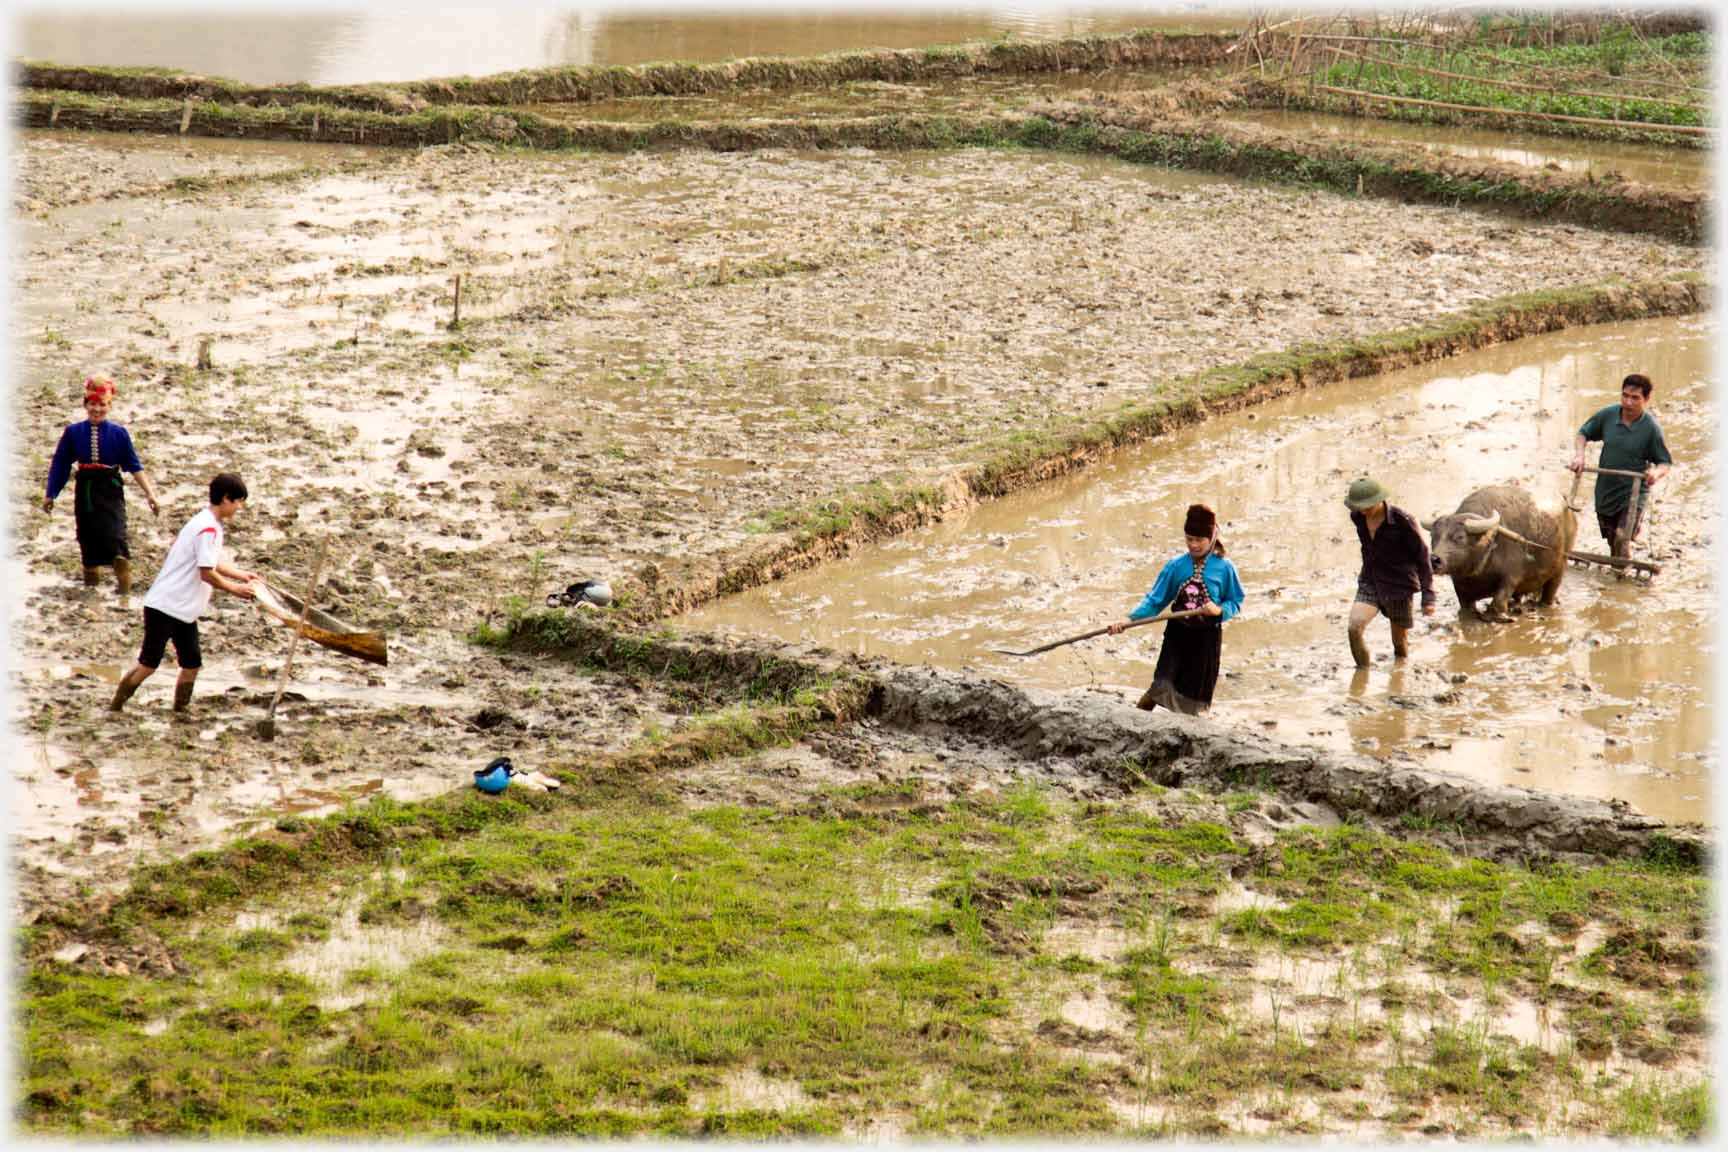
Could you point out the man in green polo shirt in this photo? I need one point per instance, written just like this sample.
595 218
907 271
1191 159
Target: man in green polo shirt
1632 442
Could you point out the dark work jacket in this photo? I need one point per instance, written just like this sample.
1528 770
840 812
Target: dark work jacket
1395 559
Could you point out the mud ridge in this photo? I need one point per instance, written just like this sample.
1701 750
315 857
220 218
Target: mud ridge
1109 739
833 528
1408 174
1401 172
1142 49
328 123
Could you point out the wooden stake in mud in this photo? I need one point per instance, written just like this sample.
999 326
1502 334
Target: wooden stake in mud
267 726
456 310
1099 632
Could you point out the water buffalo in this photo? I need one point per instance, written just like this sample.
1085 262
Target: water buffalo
1501 544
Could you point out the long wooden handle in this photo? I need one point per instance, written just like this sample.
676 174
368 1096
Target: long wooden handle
305 610
1100 631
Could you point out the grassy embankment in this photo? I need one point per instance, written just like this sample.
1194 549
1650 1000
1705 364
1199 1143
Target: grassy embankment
583 84
606 961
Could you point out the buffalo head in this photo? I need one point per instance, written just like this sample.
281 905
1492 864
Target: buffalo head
1459 543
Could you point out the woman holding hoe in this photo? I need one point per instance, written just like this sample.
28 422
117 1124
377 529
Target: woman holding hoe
1200 580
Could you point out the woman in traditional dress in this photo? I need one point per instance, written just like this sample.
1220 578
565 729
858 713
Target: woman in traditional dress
94 453
1202 580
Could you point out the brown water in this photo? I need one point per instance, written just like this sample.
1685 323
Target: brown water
1641 163
268 47
1606 695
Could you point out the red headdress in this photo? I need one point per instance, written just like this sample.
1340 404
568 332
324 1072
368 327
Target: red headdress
99 388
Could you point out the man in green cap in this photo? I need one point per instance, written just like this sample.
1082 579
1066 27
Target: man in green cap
1632 442
1395 565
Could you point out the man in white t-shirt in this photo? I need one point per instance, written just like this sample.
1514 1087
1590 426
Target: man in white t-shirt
182 592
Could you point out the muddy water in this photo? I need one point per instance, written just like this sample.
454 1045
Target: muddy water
1605 695
1640 163
266 47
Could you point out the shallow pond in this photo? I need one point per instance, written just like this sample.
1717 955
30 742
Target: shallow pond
1605 695
1640 163
333 47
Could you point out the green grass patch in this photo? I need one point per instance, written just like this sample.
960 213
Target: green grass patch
1476 80
619 969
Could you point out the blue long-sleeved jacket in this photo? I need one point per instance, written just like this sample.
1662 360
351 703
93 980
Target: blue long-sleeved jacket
1219 574
114 443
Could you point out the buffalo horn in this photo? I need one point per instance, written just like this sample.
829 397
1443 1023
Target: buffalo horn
1485 526
1490 526
1476 525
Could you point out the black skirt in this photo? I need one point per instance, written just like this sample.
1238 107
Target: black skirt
99 511
1187 670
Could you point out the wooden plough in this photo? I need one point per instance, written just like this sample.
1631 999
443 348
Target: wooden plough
1623 537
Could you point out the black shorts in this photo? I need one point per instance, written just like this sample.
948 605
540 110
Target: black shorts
1611 524
1397 611
159 628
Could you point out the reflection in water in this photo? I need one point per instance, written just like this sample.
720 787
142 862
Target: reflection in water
1606 695
1641 163
415 43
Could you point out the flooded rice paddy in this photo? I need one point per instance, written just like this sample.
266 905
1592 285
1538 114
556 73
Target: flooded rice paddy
658 354
1601 160
720 318
362 47
697 340
1605 695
